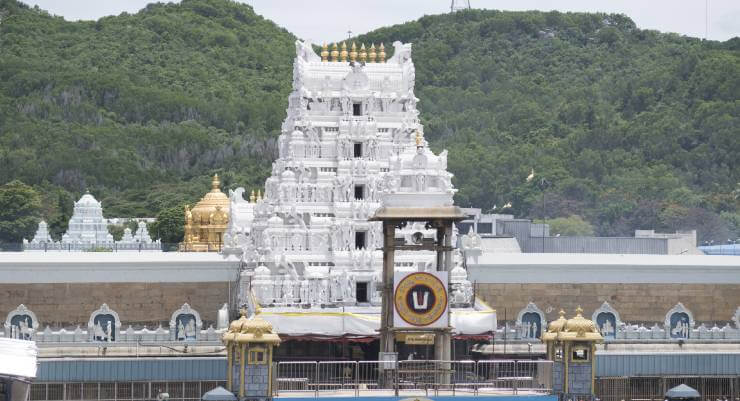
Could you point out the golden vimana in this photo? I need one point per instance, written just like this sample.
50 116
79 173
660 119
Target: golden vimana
364 55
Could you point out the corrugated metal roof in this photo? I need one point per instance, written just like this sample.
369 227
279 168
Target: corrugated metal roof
690 364
655 246
132 369
199 369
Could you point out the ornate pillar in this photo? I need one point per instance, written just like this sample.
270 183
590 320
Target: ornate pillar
387 343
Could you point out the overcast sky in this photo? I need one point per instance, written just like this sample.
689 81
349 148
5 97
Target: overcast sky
329 20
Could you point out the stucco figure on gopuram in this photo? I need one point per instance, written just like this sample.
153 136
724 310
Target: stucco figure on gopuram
351 136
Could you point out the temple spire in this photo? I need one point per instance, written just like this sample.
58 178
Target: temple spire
372 54
363 53
216 183
334 53
343 54
353 53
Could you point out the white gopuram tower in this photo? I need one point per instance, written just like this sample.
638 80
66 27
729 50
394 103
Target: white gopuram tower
87 225
351 129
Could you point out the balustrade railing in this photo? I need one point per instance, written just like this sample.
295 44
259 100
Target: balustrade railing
412 377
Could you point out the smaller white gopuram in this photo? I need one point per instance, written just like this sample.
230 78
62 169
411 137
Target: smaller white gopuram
142 234
87 225
42 234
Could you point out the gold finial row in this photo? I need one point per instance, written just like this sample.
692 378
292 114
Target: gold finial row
254 198
363 55
353 53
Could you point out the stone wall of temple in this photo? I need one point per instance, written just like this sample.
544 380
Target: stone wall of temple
635 302
70 304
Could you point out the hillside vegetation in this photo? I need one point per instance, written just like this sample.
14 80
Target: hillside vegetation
632 128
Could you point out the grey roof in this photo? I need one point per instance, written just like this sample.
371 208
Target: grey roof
674 364
682 391
418 213
219 394
131 369
214 368
603 268
110 267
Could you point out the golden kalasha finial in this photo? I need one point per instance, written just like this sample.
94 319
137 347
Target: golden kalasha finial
363 53
381 53
334 52
561 313
372 55
325 53
353 53
579 311
343 54
419 139
252 198
216 183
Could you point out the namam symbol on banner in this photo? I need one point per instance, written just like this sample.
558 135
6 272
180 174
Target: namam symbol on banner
420 299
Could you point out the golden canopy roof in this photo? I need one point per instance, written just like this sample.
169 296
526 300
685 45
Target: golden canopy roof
254 330
577 328
210 202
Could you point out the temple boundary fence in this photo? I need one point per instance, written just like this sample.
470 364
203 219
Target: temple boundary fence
412 377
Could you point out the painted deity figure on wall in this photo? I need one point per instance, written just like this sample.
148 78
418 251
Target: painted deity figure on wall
680 327
103 328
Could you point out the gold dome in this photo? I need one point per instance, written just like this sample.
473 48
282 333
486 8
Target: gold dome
206 222
580 324
210 202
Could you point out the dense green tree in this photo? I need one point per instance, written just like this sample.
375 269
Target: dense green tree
570 226
629 125
169 227
20 212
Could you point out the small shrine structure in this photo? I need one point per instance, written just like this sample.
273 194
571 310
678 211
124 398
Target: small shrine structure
249 350
571 345
206 222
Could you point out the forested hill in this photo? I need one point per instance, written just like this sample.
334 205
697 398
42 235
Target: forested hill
633 128
140 109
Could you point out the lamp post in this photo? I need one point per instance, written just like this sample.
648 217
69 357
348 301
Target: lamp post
543 184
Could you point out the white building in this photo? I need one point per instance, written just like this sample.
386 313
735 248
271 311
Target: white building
351 134
88 230
42 234
87 225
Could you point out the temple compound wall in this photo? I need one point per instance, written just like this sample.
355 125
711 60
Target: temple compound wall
636 303
70 304
640 287
144 288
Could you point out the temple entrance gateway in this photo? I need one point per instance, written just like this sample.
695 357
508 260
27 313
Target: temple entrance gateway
417 303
